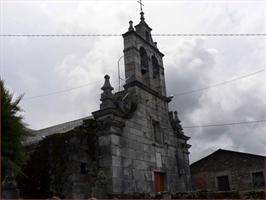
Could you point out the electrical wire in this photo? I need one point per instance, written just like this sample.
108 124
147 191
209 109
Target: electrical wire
219 84
226 124
156 34
60 91
178 94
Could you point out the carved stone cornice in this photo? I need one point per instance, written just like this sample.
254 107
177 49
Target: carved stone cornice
144 87
182 136
109 123
111 120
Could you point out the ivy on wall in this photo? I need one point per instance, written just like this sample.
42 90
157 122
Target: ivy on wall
53 163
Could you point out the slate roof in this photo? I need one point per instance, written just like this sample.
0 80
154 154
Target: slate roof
59 128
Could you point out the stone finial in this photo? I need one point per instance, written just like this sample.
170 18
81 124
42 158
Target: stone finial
177 122
107 95
130 26
171 115
142 16
176 117
107 86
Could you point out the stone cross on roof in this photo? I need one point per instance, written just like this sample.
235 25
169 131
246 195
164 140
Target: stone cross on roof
141 4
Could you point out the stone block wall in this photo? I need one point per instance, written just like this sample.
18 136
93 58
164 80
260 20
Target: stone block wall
64 165
237 166
135 154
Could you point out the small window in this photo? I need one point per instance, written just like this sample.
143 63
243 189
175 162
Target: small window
83 168
157 132
223 183
258 180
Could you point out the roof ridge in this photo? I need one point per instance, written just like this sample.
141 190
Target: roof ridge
90 116
240 152
225 150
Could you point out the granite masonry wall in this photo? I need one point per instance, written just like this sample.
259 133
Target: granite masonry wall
64 165
145 142
237 166
134 154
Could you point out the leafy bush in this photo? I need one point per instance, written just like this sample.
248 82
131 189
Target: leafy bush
255 195
13 133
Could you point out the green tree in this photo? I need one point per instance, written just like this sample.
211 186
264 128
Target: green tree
13 133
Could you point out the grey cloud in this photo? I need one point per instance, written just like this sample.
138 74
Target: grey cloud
41 65
207 107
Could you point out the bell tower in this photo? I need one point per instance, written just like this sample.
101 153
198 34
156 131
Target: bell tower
142 144
143 60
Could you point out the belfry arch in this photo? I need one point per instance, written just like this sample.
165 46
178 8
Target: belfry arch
144 60
155 67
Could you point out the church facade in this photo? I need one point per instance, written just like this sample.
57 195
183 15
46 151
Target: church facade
149 149
141 144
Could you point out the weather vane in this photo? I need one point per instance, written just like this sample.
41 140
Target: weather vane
141 4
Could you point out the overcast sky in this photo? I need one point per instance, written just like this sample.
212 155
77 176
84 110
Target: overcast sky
37 66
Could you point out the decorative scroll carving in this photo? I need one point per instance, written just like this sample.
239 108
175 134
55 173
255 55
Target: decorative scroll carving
127 104
175 122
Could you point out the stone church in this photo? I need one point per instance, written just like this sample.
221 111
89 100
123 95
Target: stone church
132 145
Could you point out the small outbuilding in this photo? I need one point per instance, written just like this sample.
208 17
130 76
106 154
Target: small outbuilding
225 170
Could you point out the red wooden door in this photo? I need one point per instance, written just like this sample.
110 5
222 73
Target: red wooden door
159 181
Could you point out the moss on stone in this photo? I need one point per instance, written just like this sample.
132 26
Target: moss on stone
51 165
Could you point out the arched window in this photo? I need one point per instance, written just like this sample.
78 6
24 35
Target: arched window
143 60
155 67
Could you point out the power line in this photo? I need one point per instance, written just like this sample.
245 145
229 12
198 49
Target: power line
219 84
60 91
156 34
227 124
211 34
219 1
179 94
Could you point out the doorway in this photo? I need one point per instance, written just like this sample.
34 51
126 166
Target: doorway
159 181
